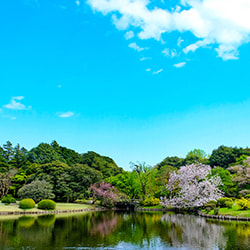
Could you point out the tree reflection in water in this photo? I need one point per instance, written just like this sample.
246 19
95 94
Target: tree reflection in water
116 230
194 232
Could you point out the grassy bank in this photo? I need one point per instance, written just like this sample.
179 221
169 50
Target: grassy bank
59 207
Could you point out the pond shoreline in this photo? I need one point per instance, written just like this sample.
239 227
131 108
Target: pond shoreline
51 211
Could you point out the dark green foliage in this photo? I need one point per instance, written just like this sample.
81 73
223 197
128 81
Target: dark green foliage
216 211
104 164
44 153
37 190
224 156
46 204
222 202
173 161
27 204
8 199
247 196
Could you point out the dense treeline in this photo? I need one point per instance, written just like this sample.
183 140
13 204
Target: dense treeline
65 175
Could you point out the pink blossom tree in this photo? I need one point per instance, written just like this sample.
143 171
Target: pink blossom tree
192 186
104 192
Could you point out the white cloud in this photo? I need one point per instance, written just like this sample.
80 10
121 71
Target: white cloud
145 58
180 65
166 52
66 114
171 53
14 104
157 72
180 41
128 35
77 3
59 86
135 47
225 24
148 70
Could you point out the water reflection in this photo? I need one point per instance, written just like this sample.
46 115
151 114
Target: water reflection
117 230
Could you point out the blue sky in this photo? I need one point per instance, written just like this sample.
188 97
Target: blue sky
135 80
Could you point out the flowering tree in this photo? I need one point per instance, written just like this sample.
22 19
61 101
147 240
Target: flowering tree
104 192
192 186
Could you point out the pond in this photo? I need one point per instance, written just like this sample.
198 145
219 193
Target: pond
121 230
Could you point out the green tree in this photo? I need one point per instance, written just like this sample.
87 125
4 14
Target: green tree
224 156
146 177
173 161
37 190
43 154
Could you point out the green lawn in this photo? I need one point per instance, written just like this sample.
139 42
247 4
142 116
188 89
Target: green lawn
59 206
233 212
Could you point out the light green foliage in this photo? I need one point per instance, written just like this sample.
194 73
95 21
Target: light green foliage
222 202
37 190
151 201
27 204
47 204
195 156
211 205
127 183
229 204
226 179
146 176
8 199
243 204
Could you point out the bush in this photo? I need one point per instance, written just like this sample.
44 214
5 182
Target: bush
8 199
229 204
27 204
211 205
243 203
222 201
247 196
151 201
216 211
47 204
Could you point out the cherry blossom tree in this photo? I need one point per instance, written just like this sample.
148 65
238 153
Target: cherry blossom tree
192 186
104 192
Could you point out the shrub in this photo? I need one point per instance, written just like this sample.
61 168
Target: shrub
229 204
211 205
47 204
243 203
8 199
27 204
151 201
247 196
216 211
222 201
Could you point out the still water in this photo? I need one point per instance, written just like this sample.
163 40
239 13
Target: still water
119 230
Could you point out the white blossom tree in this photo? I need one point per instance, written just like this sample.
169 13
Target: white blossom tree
192 186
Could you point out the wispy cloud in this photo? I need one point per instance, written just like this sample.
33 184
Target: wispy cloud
148 70
145 58
180 65
128 35
16 104
135 47
180 41
66 114
225 24
170 53
157 72
78 3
